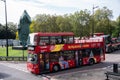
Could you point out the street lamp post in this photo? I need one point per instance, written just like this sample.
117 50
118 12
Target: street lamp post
6 27
93 19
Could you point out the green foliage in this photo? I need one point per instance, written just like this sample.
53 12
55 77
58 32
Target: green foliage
41 23
80 23
117 28
32 28
2 32
52 25
11 31
102 21
63 23
12 52
77 23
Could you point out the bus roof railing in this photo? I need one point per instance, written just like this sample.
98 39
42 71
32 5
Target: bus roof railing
55 34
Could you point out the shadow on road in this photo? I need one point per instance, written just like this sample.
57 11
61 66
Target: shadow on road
96 69
102 65
3 76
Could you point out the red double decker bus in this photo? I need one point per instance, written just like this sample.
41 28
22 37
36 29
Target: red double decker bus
48 52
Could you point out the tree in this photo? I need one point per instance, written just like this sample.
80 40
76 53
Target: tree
102 19
11 31
63 23
32 27
40 24
81 22
52 24
116 32
2 32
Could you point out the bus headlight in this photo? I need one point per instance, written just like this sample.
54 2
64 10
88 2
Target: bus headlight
31 48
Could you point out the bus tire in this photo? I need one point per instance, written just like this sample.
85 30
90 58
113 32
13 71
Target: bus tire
91 61
110 49
119 47
56 68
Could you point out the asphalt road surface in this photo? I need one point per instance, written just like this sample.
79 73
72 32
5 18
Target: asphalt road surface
17 71
9 73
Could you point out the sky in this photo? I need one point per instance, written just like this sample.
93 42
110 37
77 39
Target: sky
15 8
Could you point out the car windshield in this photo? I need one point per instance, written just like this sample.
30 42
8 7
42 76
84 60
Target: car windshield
32 58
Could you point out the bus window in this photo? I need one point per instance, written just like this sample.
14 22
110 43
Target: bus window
52 40
86 52
54 57
55 39
35 40
44 41
68 55
68 39
96 51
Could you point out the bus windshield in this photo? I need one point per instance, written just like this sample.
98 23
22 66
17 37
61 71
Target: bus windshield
32 58
32 39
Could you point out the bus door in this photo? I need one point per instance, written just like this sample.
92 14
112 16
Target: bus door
44 62
76 58
80 58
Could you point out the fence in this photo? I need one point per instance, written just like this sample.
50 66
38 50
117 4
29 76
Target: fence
114 74
13 58
11 42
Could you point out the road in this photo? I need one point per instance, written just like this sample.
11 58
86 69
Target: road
17 71
12 73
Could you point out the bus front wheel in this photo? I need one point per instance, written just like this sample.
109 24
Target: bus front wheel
56 68
91 61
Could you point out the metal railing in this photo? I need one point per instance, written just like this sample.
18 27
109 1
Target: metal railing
114 74
13 58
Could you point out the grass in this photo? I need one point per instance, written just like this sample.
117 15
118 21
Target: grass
12 52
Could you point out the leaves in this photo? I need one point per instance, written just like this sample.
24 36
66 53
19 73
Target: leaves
10 33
